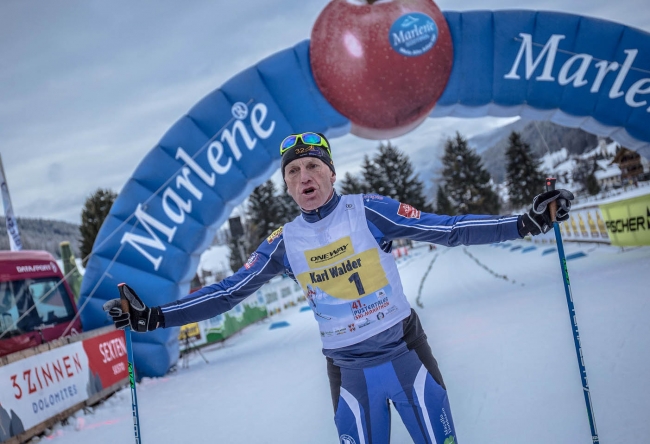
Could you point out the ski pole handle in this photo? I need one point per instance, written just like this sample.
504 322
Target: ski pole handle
552 207
125 303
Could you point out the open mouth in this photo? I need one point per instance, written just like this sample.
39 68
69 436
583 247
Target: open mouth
309 191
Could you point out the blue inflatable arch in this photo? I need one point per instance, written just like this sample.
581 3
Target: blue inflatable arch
572 70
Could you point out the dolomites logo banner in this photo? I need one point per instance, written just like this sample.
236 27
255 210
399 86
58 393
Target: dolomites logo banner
41 386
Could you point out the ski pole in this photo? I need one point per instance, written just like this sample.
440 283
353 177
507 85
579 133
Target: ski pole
550 186
129 354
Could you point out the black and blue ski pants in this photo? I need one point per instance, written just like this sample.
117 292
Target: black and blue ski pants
412 382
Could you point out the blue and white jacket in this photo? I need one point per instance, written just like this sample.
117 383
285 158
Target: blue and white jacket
387 220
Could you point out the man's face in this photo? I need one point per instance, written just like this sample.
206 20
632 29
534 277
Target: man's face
309 181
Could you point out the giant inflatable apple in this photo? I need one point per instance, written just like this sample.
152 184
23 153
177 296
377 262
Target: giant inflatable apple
382 64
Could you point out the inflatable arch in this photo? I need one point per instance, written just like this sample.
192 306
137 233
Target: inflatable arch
572 70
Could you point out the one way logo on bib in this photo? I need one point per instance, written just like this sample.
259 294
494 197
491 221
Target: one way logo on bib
329 254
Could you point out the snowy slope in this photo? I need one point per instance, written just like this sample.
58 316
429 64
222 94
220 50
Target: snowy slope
504 345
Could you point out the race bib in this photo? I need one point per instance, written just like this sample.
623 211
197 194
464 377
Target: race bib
341 273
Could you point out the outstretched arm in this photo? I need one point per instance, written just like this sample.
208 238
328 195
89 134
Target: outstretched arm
395 220
265 263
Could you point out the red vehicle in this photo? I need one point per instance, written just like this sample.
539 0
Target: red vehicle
36 303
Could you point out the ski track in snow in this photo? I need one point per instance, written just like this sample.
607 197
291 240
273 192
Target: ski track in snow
506 352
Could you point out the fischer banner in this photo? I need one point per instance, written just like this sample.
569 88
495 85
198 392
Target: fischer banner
41 386
628 221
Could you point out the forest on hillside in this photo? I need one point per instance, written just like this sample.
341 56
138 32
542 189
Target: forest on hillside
42 234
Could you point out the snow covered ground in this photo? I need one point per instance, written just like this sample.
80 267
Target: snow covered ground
504 345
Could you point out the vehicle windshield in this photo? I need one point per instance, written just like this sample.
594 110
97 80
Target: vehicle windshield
33 304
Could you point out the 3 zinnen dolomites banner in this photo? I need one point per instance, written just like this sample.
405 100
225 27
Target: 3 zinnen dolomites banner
38 387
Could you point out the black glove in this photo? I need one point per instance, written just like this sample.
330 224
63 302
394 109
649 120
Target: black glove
140 317
538 219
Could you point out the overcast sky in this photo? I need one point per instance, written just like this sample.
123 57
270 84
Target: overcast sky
88 87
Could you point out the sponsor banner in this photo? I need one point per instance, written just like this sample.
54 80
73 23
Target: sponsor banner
107 358
628 221
36 388
585 224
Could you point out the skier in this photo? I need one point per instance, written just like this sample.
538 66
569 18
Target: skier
338 250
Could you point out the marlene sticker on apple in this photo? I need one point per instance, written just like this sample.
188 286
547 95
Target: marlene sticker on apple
413 34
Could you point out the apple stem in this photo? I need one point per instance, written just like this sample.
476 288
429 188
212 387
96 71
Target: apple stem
370 2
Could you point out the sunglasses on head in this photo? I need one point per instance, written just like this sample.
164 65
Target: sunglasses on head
307 139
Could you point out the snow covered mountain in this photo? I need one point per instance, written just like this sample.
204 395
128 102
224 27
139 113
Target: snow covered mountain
543 138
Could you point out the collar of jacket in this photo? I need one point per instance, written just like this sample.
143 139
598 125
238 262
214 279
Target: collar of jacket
322 211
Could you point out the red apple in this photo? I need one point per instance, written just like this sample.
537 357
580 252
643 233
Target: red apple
382 64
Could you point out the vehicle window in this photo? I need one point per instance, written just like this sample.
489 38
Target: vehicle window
32 304
52 300
8 311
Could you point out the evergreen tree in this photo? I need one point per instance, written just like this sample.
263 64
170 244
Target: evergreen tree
262 214
374 181
467 183
289 210
238 247
266 211
592 185
443 204
391 174
523 177
93 213
352 185
584 175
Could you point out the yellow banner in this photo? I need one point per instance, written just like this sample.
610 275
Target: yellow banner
189 331
628 221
